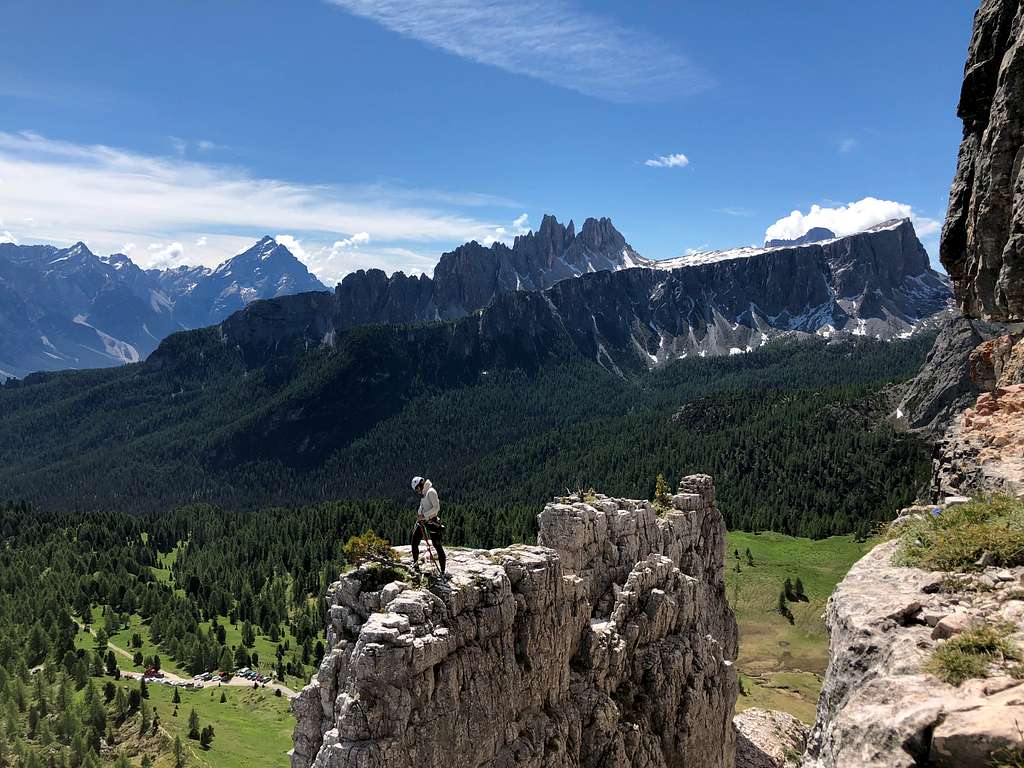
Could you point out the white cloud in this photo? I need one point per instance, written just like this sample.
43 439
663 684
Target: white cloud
850 218
678 160
162 256
293 245
520 226
551 40
7 237
358 239
110 197
847 145
926 227
201 241
178 145
127 248
203 145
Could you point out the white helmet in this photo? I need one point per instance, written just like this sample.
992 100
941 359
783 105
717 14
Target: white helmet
416 481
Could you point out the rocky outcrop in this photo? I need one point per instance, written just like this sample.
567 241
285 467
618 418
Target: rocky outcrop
880 707
608 644
767 738
983 238
945 385
983 453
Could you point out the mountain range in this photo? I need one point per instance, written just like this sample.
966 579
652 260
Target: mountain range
69 308
639 314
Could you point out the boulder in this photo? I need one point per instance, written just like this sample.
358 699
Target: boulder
768 739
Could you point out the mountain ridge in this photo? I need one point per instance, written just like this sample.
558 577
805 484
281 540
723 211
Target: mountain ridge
876 283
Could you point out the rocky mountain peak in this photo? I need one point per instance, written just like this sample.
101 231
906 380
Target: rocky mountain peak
598 234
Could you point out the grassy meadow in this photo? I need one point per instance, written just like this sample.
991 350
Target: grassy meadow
781 664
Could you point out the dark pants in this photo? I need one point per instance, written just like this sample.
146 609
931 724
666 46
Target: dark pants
436 532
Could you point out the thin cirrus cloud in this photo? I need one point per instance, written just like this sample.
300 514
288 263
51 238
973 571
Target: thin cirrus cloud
550 40
194 212
846 146
677 160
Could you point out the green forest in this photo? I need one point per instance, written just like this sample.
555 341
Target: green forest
793 433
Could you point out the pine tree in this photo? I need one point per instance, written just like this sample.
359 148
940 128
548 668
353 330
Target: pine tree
193 724
206 737
176 698
223 698
799 587
662 493
750 557
179 753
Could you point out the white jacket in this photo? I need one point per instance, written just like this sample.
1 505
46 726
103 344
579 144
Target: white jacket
429 505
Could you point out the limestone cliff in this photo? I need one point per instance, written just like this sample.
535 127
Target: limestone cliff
608 644
983 237
983 248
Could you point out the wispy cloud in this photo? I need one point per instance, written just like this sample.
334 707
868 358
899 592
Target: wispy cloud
847 145
678 160
56 191
551 40
850 218
738 211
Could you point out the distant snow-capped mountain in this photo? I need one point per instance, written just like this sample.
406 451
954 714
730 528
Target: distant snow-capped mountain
70 308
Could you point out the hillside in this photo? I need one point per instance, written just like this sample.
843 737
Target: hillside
314 426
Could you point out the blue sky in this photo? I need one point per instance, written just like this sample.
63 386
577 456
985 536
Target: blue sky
383 132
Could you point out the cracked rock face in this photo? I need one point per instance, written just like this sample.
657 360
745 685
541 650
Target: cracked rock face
879 707
610 644
983 238
983 452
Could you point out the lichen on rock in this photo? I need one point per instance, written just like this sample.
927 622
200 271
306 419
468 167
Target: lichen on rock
610 643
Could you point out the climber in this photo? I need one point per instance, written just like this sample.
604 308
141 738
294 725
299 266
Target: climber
427 522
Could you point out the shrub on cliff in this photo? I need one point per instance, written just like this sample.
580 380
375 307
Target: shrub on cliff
384 565
969 655
369 547
966 537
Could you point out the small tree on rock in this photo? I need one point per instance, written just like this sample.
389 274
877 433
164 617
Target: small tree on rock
662 493
369 547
